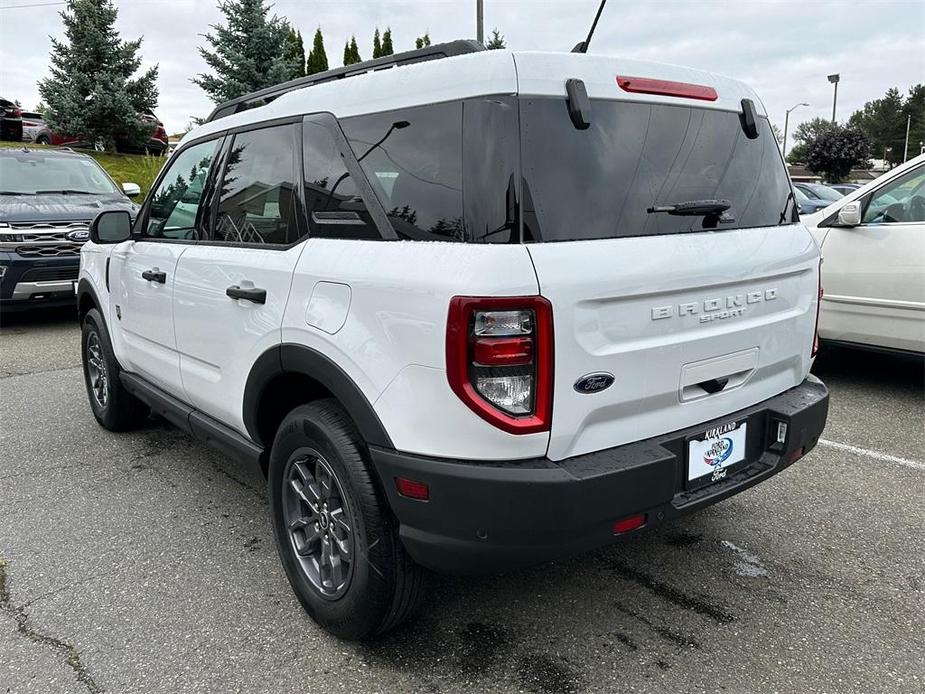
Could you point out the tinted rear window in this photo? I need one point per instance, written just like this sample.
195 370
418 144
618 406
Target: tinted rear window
600 182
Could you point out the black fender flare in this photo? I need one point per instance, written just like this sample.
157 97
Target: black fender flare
84 289
299 359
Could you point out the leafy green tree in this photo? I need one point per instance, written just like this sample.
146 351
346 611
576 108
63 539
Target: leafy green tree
295 52
803 135
40 107
422 41
496 41
354 51
915 106
317 57
249 52
92 90
387 43
837 150
377 45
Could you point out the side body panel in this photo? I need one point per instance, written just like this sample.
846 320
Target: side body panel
391 341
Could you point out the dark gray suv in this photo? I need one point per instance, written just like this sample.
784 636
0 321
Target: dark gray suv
47 200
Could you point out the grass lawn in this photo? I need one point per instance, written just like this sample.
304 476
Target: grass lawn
124 168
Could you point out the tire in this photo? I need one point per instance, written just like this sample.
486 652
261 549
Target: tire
43 140
113 406
318 447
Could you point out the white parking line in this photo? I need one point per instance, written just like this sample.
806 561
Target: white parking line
914 464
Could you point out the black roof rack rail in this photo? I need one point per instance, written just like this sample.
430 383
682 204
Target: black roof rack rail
265 96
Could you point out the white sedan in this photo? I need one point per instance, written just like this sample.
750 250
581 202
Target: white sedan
873 270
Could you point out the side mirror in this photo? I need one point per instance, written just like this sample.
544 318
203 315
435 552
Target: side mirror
133 190
850 215
111 226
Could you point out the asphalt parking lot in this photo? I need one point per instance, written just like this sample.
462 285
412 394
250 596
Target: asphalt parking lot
144 562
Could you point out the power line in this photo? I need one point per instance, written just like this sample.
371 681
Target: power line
34 4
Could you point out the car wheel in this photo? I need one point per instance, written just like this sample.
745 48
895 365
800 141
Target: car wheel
113 406
335 535
43 140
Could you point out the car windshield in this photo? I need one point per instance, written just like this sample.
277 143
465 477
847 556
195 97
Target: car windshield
825 193
31 173
643 169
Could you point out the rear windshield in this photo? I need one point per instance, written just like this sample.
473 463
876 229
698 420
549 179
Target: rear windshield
601 182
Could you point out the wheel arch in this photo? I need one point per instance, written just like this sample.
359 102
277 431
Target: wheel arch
289 375
86 298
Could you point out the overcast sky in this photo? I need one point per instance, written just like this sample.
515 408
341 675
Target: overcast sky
784 49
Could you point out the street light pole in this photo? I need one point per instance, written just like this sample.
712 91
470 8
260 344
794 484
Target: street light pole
479 21
786 123
834 80
906 148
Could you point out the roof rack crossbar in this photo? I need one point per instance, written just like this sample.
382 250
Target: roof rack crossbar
265 96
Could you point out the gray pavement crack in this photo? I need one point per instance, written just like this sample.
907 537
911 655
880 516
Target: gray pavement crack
21 618
13 374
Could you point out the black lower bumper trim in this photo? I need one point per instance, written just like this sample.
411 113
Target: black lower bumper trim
490 517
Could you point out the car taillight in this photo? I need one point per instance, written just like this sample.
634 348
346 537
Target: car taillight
684 90
815 349
17 112
499 359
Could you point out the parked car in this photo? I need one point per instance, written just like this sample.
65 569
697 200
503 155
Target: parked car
34 129
807 205
493 319
47 200
817 191
873 242
10 121
156 144
844 188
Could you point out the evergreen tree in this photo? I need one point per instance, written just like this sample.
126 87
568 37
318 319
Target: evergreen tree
295 53
348 56
884 122
92 90
377 45
496 41
354 50
317 58
387 43
422 41
249 52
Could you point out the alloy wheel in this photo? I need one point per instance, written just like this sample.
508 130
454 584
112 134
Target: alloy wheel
96 370
318 523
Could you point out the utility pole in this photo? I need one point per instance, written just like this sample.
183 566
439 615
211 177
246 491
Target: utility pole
906 148
786 123
480 21
834 80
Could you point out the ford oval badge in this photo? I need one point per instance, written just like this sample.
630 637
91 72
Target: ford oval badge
592 383
77 235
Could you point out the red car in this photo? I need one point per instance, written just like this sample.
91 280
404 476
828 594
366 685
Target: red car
156 145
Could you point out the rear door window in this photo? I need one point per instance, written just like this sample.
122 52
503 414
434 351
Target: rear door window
258 195
601 182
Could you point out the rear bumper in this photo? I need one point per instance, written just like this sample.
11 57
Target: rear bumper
490 517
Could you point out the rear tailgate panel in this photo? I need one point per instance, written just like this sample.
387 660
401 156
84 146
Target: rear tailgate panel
659 311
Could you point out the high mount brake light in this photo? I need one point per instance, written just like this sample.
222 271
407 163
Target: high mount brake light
499 359
646 85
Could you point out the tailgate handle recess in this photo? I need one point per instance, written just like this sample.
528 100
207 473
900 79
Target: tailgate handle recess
714 385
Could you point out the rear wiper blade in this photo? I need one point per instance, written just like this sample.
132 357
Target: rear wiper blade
693 208
14 192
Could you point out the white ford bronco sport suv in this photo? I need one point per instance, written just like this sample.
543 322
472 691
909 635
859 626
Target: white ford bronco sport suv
469 310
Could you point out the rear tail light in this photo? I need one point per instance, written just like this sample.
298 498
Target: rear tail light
646 85
499 358
815 349
17 112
